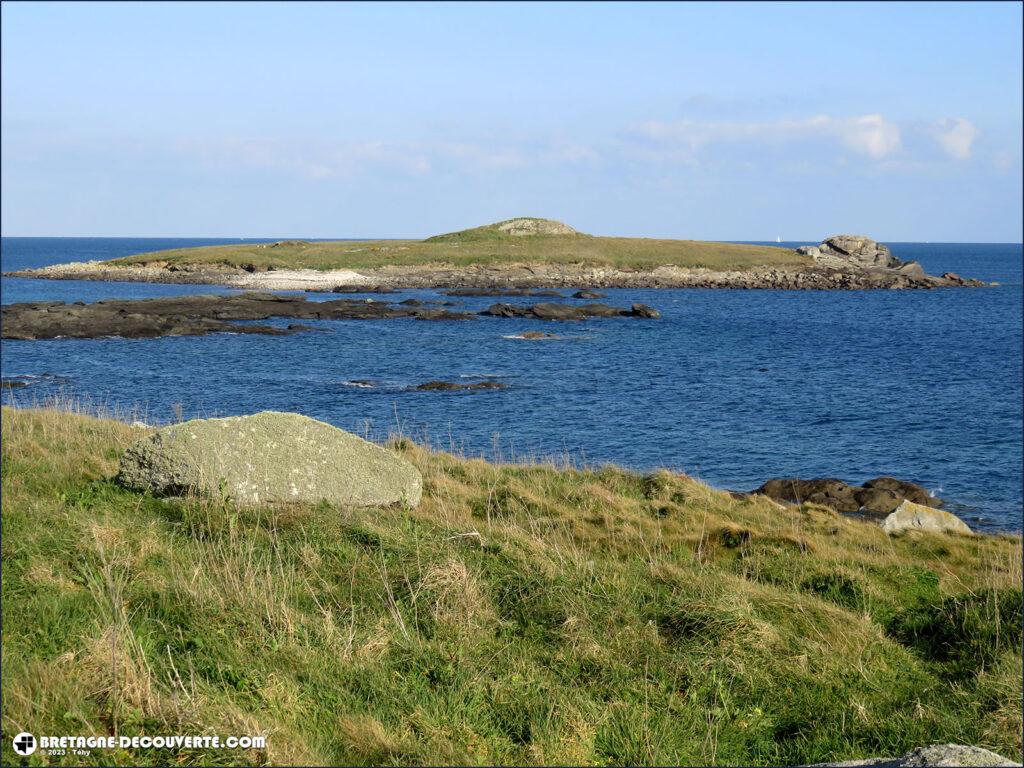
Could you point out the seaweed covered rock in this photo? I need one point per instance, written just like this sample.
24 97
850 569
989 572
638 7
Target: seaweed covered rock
269 457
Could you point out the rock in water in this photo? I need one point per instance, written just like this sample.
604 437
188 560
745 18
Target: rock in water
269 457
911 516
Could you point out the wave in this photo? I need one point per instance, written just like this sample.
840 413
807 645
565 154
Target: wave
364 383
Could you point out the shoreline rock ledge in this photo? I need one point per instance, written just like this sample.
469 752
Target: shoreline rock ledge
269 457
863 253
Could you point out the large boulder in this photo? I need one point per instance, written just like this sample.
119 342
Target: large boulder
859 251
910 516
269 457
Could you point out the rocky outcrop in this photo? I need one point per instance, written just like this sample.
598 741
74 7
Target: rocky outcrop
937 755
586 293
876 263
879 496
843 250
909 516
267 458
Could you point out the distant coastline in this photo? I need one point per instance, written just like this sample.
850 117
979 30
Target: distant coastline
525 253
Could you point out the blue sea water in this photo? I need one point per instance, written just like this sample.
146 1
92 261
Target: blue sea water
734 387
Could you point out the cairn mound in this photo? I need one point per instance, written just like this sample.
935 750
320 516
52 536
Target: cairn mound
524 226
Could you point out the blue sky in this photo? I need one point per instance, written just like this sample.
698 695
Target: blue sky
719 121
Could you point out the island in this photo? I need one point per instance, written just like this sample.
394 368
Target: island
520 253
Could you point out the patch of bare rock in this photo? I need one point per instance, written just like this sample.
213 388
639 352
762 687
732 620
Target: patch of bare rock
937 756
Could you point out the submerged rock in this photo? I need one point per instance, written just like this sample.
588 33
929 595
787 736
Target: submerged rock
266 458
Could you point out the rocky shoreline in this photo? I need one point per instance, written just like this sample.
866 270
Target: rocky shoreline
518 277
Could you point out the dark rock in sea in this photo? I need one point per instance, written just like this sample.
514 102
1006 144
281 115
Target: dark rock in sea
446 386
905 490
642 310
192 315
536 335
877 501
436 313
13 384
954 279
879 496
567 313
586 293
301 327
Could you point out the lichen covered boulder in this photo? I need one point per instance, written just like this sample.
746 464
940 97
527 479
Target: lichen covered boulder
266 458
910 516
937 755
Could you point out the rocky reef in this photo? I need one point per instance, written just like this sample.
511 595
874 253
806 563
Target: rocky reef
201 315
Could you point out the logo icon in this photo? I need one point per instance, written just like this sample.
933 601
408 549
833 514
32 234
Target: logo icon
24 744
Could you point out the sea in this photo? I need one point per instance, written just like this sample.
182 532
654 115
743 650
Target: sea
731 386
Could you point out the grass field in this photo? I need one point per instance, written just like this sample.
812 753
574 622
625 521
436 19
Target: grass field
483 245
594 617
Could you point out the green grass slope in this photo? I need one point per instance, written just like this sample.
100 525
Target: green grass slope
486 245
594 617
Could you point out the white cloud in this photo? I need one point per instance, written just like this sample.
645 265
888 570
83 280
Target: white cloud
955 137
322 160
868 134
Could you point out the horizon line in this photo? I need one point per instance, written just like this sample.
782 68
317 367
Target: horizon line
808 241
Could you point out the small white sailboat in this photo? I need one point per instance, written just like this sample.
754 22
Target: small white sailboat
778 239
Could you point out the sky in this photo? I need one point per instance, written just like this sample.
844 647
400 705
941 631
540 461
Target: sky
708 121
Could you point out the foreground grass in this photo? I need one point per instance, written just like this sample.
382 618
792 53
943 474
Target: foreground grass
599 617
484 246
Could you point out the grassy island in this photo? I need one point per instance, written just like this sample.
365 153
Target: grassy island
522 614
516 241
